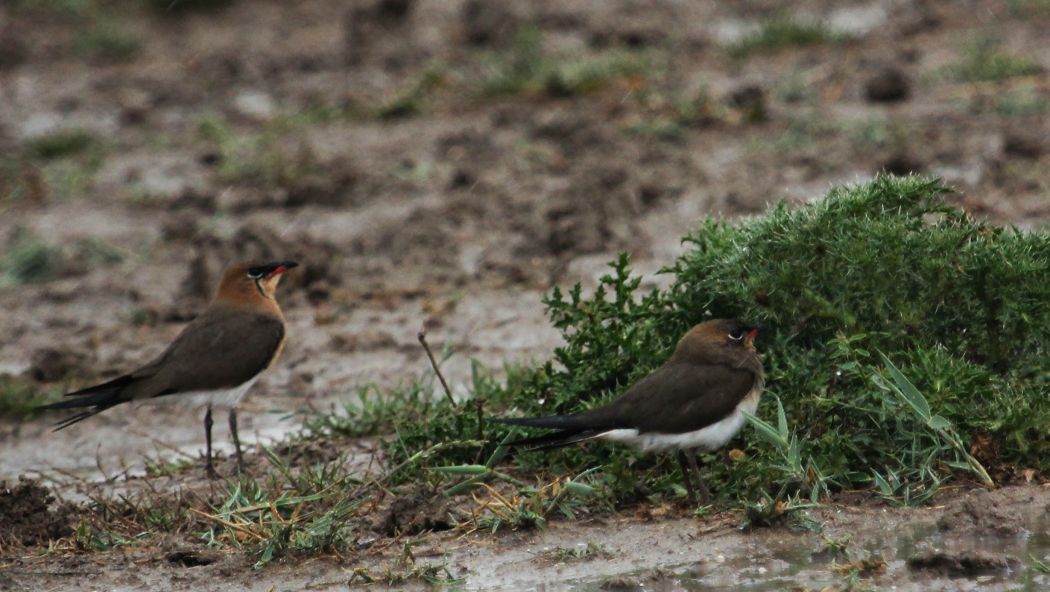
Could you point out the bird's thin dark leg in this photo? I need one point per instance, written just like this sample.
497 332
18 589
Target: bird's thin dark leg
685 476
236 439
704 493
209 467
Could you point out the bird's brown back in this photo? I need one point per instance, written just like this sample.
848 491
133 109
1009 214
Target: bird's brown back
703 382
221 349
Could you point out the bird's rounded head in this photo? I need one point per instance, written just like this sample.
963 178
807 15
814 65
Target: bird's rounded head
725 341
247 282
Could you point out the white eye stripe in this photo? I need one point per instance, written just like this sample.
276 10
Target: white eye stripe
736 335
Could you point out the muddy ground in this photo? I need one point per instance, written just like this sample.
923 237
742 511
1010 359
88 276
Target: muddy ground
427 180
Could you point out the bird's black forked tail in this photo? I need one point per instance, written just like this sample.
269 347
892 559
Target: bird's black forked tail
571 429
93 400
554 439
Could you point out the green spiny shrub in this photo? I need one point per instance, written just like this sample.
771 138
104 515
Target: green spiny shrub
958 305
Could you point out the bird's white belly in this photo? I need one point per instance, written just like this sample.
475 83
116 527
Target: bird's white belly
216 398
710 437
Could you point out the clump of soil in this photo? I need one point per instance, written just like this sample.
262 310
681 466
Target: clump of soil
887 85
49 364
979 512
963 564
418 511
26 516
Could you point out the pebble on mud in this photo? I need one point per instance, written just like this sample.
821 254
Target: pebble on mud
888 85
902 164
750 101
49 364
1024 143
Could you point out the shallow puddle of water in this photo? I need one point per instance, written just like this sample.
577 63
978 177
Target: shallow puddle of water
777 562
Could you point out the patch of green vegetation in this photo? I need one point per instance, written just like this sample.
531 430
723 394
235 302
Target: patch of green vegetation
371 412
264 157
106 40
794 87
166 468
19 397
982 62
61 144
804 131
1039 566
89 538
882 132
669 118
1028 8
93 252
526 68
266 515
879 268
66 161
30 260
412 98
1018 102
781 33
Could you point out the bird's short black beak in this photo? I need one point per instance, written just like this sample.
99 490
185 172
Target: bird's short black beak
271 269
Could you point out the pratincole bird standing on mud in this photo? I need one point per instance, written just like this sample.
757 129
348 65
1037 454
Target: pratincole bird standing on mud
214 360
693 401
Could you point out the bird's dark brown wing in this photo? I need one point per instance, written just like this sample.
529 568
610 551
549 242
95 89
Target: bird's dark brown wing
678 397
221 349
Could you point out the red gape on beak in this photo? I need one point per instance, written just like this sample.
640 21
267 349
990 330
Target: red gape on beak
752 333
282 267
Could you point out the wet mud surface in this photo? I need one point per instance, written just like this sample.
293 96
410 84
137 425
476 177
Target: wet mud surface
658 549
259 130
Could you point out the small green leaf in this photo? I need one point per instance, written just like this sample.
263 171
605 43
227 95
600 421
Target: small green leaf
782 422
907 391
939 423
765 430
577 488
463 470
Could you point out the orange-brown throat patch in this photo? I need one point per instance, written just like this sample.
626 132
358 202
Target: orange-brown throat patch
240 290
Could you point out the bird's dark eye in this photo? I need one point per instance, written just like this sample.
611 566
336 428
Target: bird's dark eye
736 334
256 273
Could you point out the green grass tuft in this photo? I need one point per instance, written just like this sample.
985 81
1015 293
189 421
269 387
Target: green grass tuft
30 260
61 144
982 62
781 33
106 40
19 397
526 68
261 158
